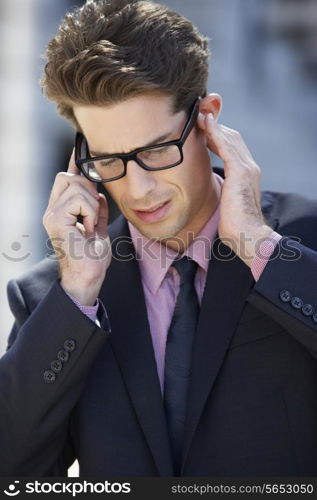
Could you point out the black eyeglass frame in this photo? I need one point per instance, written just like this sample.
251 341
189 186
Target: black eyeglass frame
125 157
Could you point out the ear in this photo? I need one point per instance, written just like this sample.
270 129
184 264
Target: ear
212 103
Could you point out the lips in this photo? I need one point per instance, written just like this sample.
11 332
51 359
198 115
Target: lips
151 209
155 213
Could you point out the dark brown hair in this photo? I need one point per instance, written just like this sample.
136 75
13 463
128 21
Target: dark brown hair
110 50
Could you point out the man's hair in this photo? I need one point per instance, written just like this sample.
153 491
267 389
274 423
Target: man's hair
110 50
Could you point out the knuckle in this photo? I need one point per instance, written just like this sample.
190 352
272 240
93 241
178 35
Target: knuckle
46 216
93 199
249 168
49 221
61 177
256 169
78 196
88 195
77 187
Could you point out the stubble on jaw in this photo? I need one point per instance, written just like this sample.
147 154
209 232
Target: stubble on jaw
175 237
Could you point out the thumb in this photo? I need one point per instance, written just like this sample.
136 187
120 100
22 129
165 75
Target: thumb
207 124
201 121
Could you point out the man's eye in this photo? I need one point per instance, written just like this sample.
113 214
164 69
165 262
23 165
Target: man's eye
109 163
157 151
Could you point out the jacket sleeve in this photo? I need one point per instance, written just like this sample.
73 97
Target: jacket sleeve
42 373
287 291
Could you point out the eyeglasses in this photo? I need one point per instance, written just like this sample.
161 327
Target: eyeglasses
109 168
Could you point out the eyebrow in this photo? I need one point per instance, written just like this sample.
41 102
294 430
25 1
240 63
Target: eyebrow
156 141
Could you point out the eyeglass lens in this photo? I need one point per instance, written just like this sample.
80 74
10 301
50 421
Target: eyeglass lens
155 158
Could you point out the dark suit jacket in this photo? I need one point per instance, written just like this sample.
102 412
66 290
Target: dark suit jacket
253 393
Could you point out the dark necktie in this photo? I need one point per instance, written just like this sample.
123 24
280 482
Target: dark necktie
178 355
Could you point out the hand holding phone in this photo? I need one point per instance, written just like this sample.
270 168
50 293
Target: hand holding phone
83 249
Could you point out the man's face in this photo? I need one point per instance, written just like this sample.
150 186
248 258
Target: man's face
185 189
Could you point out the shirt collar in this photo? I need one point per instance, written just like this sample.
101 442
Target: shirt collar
155 259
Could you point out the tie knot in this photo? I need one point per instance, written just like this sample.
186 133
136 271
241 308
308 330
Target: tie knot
186 268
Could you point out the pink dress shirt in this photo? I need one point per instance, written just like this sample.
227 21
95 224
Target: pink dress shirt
161 282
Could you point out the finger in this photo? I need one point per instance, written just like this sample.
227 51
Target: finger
201 121
223 141
72 167
65 215
212 133
63 180
81 205
103 216
208 130
73 203
76 188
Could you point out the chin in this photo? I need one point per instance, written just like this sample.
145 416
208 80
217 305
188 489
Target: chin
161 231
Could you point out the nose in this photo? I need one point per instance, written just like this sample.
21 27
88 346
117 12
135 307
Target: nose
140 182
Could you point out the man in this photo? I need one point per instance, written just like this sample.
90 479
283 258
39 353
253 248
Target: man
190 348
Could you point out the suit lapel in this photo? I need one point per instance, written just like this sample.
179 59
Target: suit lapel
122 294
228 284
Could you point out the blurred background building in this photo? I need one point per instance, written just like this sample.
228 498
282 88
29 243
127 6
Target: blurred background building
264 64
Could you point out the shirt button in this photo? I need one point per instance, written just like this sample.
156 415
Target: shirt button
49 376
56 366
297 303
63 356
285 296
69 345
307 309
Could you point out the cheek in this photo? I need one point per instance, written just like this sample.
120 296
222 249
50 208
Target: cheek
197 165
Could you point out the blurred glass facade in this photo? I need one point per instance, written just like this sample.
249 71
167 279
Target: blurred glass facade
264 64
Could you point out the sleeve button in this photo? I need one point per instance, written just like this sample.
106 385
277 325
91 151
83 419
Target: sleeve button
297 303
69 345
63 356
56 366
315 317
49 376
285 296
307 309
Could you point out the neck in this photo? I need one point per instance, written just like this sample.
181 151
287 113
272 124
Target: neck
186 236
